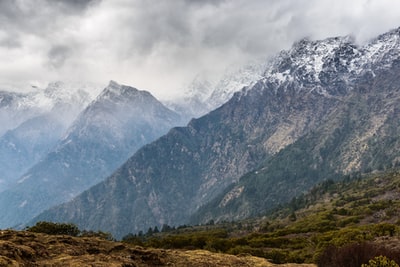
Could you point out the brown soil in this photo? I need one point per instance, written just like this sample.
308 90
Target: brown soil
20 248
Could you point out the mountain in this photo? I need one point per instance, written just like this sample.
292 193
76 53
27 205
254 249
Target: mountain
305 90
202 95
33 124
361 135
105 135
308 92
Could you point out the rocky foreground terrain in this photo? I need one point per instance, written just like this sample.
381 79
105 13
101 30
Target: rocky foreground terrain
21 248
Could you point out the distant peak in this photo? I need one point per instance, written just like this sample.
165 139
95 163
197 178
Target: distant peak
113 84
115 90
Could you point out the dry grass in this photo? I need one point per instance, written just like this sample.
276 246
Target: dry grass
19 248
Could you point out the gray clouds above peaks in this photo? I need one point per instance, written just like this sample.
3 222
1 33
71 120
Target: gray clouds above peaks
161 45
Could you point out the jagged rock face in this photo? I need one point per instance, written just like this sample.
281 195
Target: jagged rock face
107 132
302 92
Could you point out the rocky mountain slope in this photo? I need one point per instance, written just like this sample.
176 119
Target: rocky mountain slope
32 124
106 134
306 90
360 136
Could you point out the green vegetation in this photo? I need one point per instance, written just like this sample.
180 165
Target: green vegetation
315 225
51 228
380 261
55 228
345 223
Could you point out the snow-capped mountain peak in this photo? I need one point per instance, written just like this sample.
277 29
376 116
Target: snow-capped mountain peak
311 65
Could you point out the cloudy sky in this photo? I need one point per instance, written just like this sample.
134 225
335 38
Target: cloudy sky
161 45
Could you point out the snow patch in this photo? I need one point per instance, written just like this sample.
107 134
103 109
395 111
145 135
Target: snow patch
23 203
23 179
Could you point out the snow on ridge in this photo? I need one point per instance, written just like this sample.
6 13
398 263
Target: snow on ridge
234 81
56 92
308 59
384 48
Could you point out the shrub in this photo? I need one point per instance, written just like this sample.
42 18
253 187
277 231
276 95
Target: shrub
55 228
381 261
278 256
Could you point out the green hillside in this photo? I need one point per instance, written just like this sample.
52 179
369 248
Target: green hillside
356 214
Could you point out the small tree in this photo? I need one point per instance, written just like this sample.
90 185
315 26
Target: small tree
381 261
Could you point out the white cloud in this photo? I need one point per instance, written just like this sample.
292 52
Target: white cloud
159 45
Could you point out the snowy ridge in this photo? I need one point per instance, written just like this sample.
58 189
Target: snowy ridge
383 49
59 99
234 81
57 92
312 65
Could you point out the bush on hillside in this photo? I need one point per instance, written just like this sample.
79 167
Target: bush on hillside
381 261
55 228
